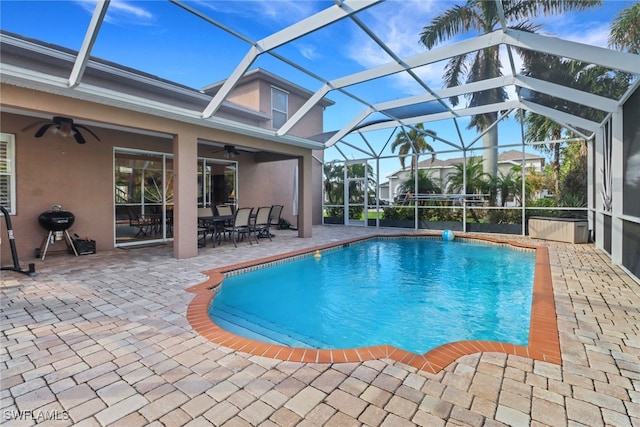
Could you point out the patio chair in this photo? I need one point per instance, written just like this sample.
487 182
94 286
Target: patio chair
261 225
143 224
225 210
241 225
205 225
276 213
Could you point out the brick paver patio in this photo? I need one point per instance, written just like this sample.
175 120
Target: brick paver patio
104 340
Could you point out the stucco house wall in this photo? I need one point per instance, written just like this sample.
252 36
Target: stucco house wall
57 171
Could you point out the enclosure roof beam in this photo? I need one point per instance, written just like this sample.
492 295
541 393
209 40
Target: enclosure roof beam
429 57
299 29
567 93
462 112
345 130
82 59
302 111
612 59
355 147
502 116
448 92
560 116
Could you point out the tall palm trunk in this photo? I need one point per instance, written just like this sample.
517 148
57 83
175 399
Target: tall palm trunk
556 169
490 152
556 134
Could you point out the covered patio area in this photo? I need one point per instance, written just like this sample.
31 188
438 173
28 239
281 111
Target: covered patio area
82 346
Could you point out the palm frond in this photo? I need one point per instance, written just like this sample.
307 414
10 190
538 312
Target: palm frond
625 30
443 27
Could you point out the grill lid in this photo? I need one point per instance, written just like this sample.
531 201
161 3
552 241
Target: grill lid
56 219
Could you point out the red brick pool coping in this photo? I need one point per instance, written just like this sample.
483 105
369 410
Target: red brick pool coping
543 343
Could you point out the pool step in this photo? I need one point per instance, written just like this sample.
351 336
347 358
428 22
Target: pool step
234 320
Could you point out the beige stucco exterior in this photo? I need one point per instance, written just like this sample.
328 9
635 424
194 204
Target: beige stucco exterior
56 171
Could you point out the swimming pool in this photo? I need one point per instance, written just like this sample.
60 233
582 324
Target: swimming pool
411 293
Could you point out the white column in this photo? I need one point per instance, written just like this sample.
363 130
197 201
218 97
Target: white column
598 182
590 182
617 174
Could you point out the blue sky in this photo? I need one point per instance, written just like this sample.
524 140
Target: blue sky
162 39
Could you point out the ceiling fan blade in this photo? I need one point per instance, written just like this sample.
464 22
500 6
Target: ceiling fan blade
87 129
34 124
43 129
78 136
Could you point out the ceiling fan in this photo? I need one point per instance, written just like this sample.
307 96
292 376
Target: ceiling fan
64 127
230 151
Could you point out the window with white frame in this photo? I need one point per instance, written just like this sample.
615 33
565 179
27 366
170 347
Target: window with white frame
279 107
7 172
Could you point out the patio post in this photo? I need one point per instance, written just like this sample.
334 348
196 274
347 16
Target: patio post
185 164
305 181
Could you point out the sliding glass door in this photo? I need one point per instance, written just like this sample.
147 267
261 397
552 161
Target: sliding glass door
143 193
143 196
217 183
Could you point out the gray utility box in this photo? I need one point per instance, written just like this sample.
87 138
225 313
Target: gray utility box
570 230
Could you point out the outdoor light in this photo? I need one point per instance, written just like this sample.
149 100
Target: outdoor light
64 130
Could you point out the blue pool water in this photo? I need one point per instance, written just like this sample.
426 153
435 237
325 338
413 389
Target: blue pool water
414 294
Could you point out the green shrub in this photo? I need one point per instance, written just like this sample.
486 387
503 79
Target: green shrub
398 213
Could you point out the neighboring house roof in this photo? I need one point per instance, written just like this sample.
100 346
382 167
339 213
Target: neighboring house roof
509 156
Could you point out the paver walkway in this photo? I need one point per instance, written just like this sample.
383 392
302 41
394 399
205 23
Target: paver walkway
103 340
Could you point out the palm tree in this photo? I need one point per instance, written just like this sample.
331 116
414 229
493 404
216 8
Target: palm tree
482 17
334 183
426 184
475 177
412 142
625 30
508 185
540 128
575 74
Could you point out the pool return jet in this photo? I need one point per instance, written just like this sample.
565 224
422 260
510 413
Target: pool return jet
14 252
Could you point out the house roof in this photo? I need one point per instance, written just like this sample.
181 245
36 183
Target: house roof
261 74
47 58
509 156
45 66
403 112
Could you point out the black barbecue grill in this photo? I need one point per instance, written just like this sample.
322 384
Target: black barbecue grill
57 222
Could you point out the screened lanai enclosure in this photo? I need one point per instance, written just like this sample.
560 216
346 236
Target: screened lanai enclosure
461 115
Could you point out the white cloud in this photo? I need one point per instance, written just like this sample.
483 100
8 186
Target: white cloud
281 12
595 35
398 25
308 51
130 10
122 12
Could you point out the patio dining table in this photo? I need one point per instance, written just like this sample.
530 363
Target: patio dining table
217 222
